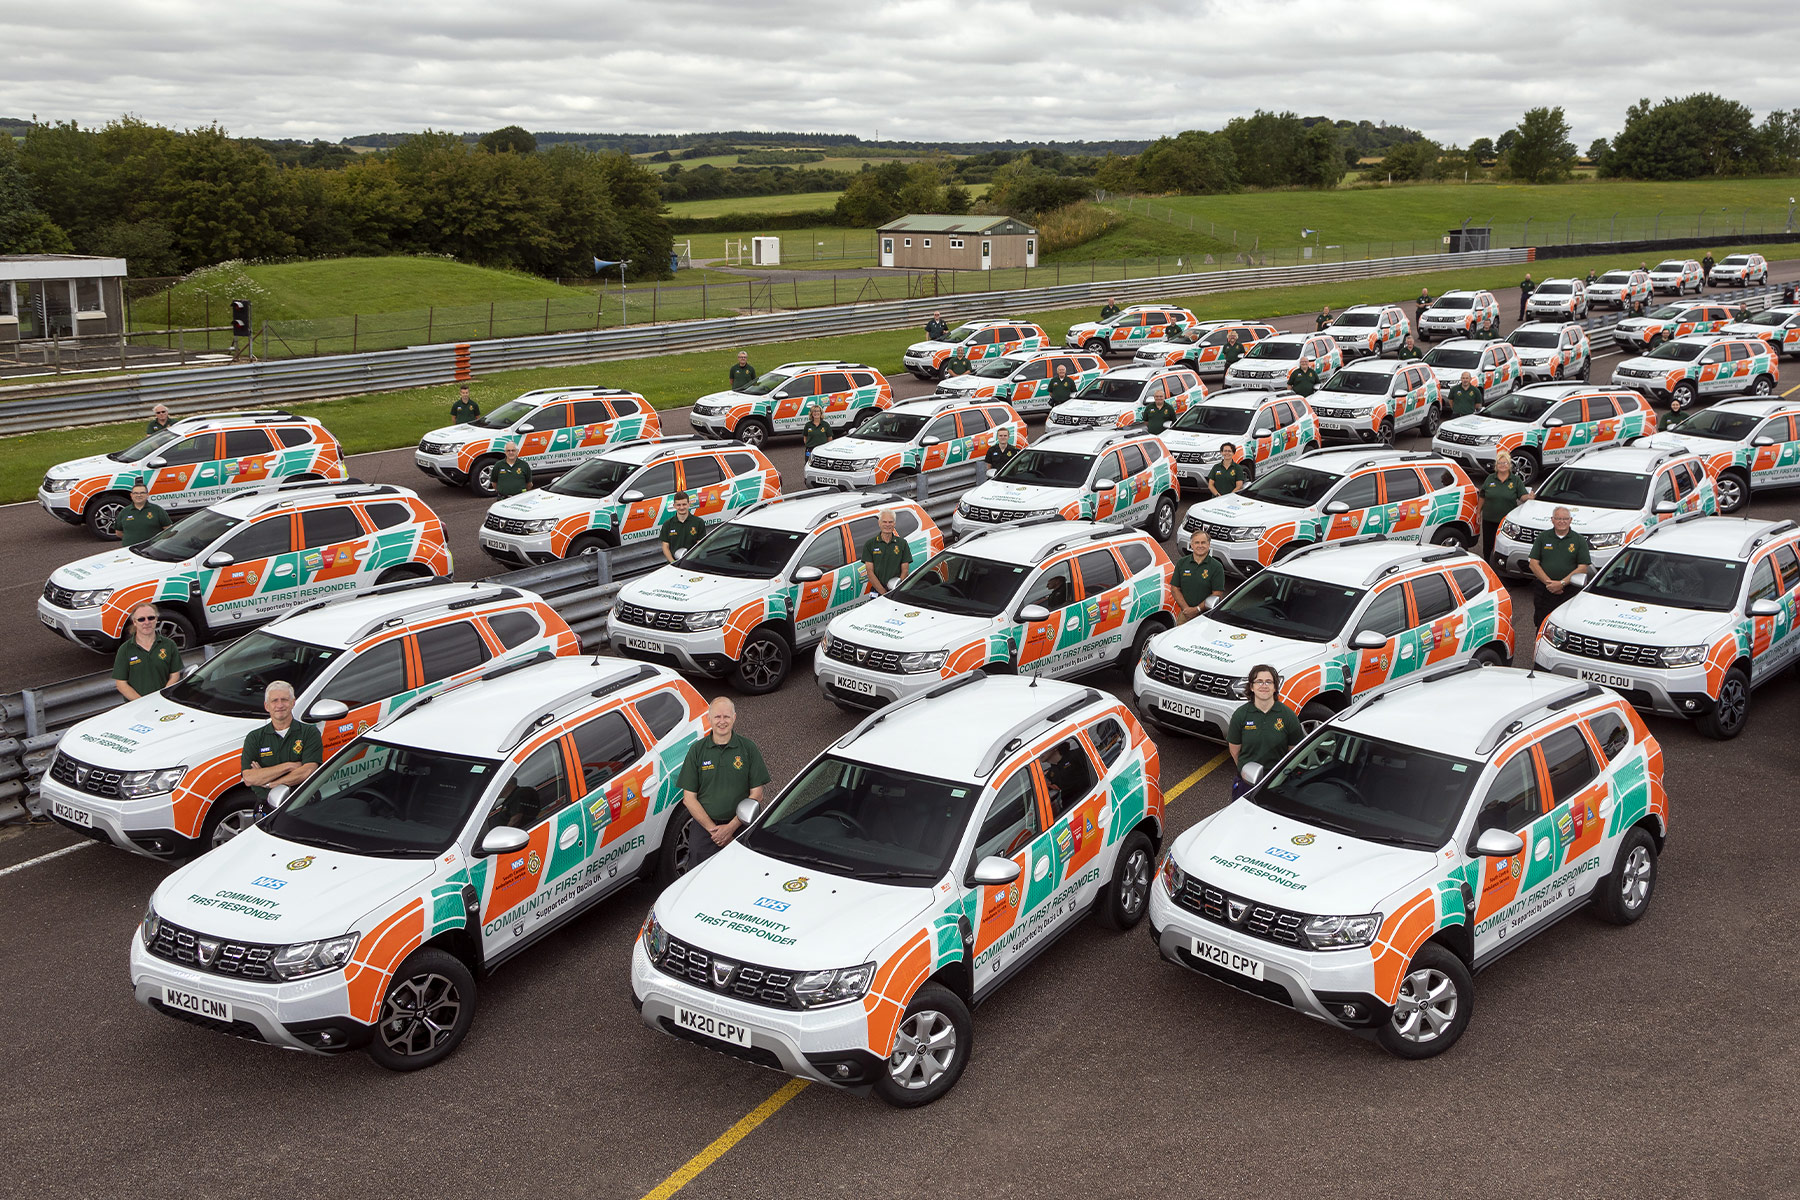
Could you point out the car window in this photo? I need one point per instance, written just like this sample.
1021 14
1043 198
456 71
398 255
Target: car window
1099 572
328 527
293 435
1687 476
973 421
1762 581
1069 773
388 515
1570 763
606 746
1109 740
834 381
1133 458
864 528
1432 597
447 650
1600 407
799 385
1053 589
657 480
373 675
264 539
700 471
742 464
1110 468
590 412
1568 412
1609 729
1512 801
1736 351
997 417
1402 484
242 443
1138 557
1358 492
1789 562
538 789
551 416
1713 355
1152 451
1012 818
1470 582
1439 477
1387 614
190 450
515 628
1040 368
661 712
826 551
942 428
625 408
1665 488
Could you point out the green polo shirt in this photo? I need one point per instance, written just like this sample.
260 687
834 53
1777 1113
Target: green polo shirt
1304 381
1225 477
721 776
1263 737
887 560
999 454
958 364
935 330
512 478
1500 496
1321 321
1526 287
814 436
1465 399
1157 415
158 426
1199 578
464 410
146 671
1410 350
678 535
1172 330
141 524
1231 353
1061 389
1109 311
742 374
1559 556
264 747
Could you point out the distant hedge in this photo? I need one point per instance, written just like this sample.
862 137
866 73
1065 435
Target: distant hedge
732 222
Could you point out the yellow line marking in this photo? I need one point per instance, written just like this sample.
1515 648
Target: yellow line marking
1792 390
726 1141
1206 768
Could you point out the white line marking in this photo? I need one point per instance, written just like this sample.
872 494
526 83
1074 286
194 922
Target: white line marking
32 862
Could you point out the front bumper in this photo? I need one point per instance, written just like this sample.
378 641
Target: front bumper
57 505
1670 692
1359 428
863 688
83 626
140 826
1240 558
1535 371
304 1015
517 549
1657 387
1549 312
847 480
1260 382
700 652
1480 458
710 424
1178 709
443 467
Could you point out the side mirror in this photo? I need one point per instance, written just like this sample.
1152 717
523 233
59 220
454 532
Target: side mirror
808 575
1251 772
1763 441
503 840
278 796
1105 485
527 428
328 710
994 871
1553 423
1666 506
746 811
1336 507
221 559
1367 639
1033 613
931 441
1499 843
156 462
1764 608
632 497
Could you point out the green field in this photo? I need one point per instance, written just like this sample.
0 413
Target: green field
797 245
790 203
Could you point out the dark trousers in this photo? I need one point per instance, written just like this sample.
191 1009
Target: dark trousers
1544 602
1489 530
700 845
1522 302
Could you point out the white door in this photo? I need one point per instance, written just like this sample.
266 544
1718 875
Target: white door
1031 252
987 255
887 252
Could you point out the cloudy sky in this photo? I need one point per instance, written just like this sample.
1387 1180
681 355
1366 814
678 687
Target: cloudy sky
962 70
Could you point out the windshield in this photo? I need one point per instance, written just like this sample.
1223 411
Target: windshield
1596 489
1456 360
1289 606
1616 277
1047 468
997 368
1555 289
1679 351
1108 387
187 538
1358 320
1215 419
1455 302
505 415
1274 349
1640 575
891 427
1735 260
961 333
147 447
962 584
1362 383
1534 339
1376 790
1667 312
1219 337
594 478
387 801
1519 406
1772 317
1673 267
1715 423
742 551
1292 486
232 684
867 822
766 384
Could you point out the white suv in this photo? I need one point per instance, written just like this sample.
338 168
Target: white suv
1118 398
1124 476
1373 400
1369 330
1558 300
1614 494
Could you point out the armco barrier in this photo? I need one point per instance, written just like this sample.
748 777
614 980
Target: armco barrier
237 385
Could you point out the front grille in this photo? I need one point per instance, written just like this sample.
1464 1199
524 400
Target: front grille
1083 422
244 960
1263 921
1460 439
864 656
1218 533
649 618
94 781
507 525
822 463
1196 456
1624 653
1204 683
759 985
1636 373
1340 414
61 597
434 447
989 516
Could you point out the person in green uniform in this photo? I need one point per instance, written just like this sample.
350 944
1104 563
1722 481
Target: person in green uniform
742 373
1061 387
1303 380
887 555
284 751
1526 287
1706 266
1263 729
1323 319
512 476
681 531
159 419
1466 397
721 771
1226 476
1593 275
1173 329
815 432
1199 579
140 520
1501 492
1421 304
465 409
1002 451
1110 309
958 363
1233 350
1158 414
1409 349
1556 555
935 329
146 662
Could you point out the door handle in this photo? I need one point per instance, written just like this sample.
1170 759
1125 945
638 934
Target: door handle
283 569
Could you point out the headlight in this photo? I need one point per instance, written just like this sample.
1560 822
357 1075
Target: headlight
923 660
1148 658
1240 689
1605 541
1173 877
1252 533
861 464
1553 633
1341 933
537 526
816 989
135 785
708 620
1486 439
150 925
90 599
656 939
57 485
313 958
1683 656
1509 530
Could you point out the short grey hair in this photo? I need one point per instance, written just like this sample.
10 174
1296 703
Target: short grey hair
280 685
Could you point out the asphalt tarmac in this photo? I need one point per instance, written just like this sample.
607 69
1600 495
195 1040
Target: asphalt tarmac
1655 1059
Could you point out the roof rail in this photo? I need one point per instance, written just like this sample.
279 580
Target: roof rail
1122 433
1516 720
761 504
1013 738
386 589
627 673
544 654
246 414
1418 557
473 594
856 504
652 441
270 489
1026 523
1361 539
1104 531
875 718
1764 534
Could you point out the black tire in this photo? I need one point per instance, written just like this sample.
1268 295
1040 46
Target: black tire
1160 524
178 627
1314 714
229 816
1098 346
671 859
1492 655
1763 386
1452 535
402 573
1434 416
753 432
1409 1032
102 514
1587 370
425 1013
1526 467
763 662
1683 396
1733 489
481 475
1731 709
1127 894
1384 433
936 1018
1624 895
590 543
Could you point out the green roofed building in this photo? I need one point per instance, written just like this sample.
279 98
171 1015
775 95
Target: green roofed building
957 243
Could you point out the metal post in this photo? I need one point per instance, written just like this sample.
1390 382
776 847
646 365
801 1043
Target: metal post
430 320
490 318
1612 234
546 314
703 308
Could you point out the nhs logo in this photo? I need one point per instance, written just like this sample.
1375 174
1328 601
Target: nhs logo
771 903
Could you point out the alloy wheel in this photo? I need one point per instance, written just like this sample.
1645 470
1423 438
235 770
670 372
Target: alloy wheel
1426 1006
419 1014
924 1048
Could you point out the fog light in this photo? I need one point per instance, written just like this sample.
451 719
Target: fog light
1351 1012
1687 704
843 1071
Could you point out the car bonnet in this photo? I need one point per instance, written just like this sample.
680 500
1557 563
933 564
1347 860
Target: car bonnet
1631 621
542 504
681 589
93 465
152 733
891 625
1208 645
1000 493
114 568
1582 518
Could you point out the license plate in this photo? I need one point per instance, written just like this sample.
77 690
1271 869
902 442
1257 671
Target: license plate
1601 677
861 687
493 545
638 643
713 1027
1193 711
183 1000
71 814
1231 960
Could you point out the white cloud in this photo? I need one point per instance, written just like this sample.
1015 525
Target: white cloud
973 70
